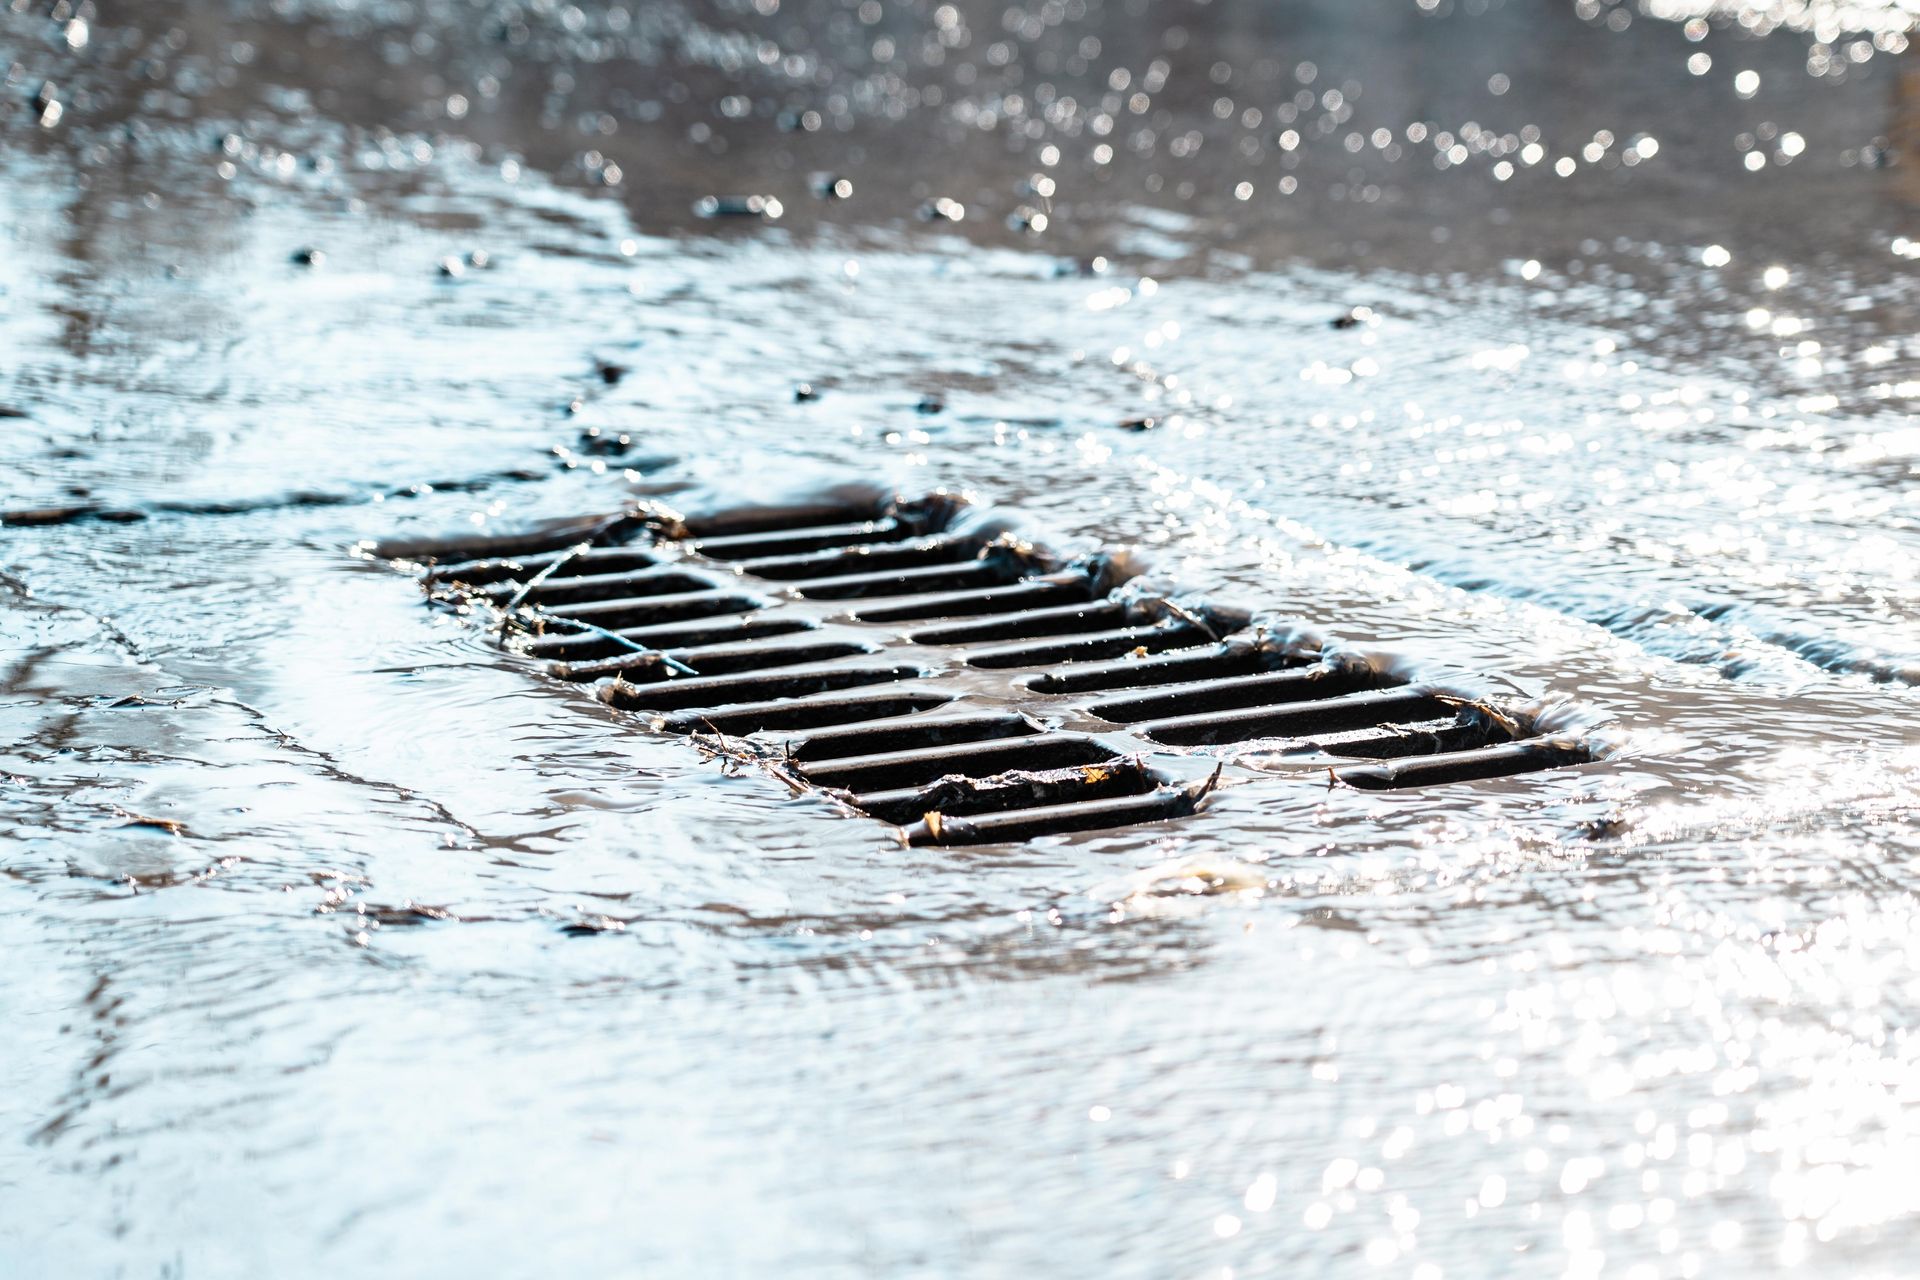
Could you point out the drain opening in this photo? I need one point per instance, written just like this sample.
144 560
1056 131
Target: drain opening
965 796
1034 593
978 759
868 740
949 679
847 561
587 645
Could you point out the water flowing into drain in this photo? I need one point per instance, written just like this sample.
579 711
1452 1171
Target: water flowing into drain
923 664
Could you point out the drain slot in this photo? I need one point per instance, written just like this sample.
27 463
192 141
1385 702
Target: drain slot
721 660
960 796
1028 624
712 660
1464 734
612 586
993 571
910 768
1500 761
720 691
723 528
870 559
594 560
1295 720
943 732
1233 658
1034 593
803 713
655 610
801 539
1301 684
1052 820
1102 644
587 645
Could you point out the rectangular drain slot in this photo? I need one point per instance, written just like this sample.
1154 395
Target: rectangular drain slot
1302 684
1034 593
959 796
945 731
715 660
723 527
1028 624
1062 819
1102 644
908 768
1407 740
741 719
1501 761
1221 661
844 561
581 646
655 610
991 572
673 695
611 586
1294 720
594 560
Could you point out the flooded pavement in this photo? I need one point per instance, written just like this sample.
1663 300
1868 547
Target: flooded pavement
1572 342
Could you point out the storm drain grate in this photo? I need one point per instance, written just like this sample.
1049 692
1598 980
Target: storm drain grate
923 664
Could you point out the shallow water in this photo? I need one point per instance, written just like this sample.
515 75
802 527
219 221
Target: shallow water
341 940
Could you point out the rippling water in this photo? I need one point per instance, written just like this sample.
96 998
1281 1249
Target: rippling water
340 941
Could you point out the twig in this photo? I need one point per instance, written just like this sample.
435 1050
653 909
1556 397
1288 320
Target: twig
670 663
526 588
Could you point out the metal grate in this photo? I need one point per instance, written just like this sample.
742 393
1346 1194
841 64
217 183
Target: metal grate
933 671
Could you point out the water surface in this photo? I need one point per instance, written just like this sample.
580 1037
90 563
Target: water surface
342 941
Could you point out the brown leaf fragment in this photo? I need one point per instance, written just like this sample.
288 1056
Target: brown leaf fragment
1513 728
172 826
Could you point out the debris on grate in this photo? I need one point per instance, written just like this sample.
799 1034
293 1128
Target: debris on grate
921 663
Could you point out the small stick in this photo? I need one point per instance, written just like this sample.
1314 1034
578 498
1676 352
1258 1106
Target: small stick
526 588
670 663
